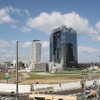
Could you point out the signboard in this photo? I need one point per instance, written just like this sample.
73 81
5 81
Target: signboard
7 77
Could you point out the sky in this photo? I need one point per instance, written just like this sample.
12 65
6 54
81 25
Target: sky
26 20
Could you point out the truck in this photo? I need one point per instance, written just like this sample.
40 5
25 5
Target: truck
92 93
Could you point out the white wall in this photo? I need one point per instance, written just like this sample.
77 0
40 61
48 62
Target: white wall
12 88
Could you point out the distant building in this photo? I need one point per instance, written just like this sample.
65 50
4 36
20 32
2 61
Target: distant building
63 47
42 67
8 63
36 51
3 67
35 54
21 65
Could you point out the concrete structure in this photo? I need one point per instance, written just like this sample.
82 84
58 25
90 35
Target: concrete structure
63 47
38 67
64 86
36 51
12 88
42 67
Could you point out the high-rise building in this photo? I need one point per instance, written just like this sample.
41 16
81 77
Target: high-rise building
63 47
36 51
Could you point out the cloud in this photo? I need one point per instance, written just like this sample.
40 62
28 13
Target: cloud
98 26
5 16
27 44
85 49
25 29
45 56
10 54
13 26
27 12
4 44
47 22
7 50
45 44
2 51
96 38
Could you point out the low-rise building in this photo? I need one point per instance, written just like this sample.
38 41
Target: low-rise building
42 67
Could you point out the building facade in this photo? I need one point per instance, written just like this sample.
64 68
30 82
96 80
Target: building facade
36 51
63 47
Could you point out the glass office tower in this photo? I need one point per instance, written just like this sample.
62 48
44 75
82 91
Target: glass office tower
63 47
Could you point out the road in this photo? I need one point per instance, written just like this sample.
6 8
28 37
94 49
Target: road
21 97
67 92
77 92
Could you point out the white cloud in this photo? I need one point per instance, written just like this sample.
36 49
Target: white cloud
7 50
45 56
96 38
27 44
13 26
45 51
47 22
85 49
45 44
10 54
5 16
27 12
25 29
2 51
4 44
98 26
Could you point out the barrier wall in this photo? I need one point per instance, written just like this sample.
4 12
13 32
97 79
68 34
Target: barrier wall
12 88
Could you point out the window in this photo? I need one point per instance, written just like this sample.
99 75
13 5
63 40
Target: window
39 98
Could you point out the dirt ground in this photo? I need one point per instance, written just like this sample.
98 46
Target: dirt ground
49 81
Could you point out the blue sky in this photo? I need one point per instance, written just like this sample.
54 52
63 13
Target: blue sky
26 20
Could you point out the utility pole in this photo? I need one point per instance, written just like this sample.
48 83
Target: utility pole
84 88
98 86
98 83
17 98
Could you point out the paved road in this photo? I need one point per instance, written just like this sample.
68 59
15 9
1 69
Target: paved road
67 92
23 97
77 92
